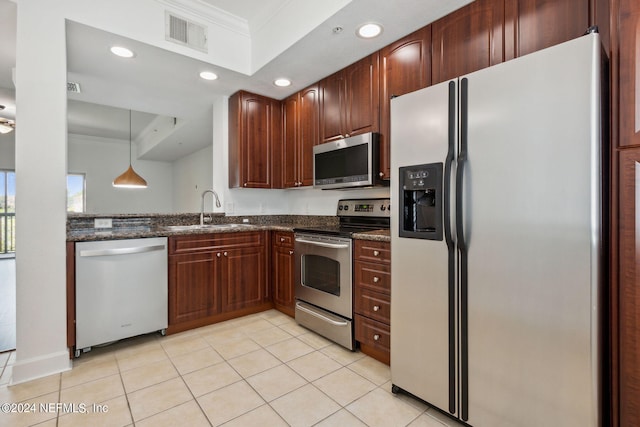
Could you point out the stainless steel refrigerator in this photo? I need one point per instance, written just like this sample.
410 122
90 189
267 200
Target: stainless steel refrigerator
497 241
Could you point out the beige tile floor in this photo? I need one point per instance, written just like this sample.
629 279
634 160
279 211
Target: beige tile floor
258 370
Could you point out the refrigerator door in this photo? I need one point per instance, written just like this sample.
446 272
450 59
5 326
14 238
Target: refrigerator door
423 128
531 213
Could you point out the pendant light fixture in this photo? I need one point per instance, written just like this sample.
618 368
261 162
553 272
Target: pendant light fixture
130 179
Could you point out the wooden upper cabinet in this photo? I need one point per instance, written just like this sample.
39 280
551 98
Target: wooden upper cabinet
290 134
254 140
532 25
629 68
309 132
300 134
468 40
405 66
349 100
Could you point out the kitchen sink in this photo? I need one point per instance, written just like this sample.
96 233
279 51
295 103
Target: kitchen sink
204 227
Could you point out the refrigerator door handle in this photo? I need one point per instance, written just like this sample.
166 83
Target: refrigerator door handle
451 247
462 247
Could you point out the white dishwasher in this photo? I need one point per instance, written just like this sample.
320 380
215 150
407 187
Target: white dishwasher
121 290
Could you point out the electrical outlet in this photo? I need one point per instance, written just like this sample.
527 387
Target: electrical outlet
103 223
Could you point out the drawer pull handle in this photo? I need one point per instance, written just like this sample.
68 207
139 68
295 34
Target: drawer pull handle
376 279
290 252
218 254
376 253
282 239
376 307
225 254
376 337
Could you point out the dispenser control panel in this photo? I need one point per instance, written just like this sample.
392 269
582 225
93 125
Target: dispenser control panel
421 201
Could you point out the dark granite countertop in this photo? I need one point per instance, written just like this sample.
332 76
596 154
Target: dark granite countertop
80 226
375 235
128 226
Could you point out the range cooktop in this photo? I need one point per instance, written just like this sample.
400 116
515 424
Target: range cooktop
356 216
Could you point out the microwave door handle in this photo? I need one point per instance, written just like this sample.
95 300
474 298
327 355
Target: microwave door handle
323 244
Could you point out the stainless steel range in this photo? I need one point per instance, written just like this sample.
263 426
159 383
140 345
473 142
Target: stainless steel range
324 285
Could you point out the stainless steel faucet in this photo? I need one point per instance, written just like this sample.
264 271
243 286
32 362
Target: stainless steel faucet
202 204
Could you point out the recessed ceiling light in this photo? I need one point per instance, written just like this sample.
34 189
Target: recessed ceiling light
122 52
282 82
208 75
370 30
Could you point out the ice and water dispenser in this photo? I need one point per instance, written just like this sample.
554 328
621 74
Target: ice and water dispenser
421 201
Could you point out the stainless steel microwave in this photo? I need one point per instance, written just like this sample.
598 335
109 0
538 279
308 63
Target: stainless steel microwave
348 162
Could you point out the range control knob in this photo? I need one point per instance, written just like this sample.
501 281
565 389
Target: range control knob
383 208
340 207
346 208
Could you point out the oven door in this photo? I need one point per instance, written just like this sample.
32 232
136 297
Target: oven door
323 272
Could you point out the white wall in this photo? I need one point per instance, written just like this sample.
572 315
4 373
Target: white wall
8 150
103 159
41 169
192 175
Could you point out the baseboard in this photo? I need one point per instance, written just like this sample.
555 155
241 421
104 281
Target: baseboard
38 367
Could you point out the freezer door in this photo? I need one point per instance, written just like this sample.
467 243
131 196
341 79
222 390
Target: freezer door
423 134
531 214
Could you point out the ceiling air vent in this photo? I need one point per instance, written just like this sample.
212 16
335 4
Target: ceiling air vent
73 87
187 33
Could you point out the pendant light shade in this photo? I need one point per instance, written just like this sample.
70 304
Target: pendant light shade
130 179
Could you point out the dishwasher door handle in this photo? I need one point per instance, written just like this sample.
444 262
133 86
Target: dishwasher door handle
121 251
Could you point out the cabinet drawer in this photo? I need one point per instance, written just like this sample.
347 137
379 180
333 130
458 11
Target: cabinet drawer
283 239
372 333
213 241
373 276
379 252
372 304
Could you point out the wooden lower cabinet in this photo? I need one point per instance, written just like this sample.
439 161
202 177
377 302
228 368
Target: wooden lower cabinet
283 273
372 299
215 277
193 287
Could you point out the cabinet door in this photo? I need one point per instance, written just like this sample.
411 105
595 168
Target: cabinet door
468 40
629 291
405 66
629 60
332 107
309 132
538 24
362 96
243 278
283 284
255 135
193 292
290 135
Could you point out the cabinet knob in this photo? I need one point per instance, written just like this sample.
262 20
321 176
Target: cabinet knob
290 252
381 174
376 253
347 135
225 254
218 254
376 279
282 239
376 307
376 337
245 184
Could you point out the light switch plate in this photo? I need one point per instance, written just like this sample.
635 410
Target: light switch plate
103 223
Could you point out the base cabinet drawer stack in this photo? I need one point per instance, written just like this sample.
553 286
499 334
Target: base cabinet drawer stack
372 284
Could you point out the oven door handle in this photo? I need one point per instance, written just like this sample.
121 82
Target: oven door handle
324 245
320 316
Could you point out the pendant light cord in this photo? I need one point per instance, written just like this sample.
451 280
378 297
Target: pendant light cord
130 157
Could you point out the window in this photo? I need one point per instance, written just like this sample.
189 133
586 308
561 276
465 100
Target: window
7 211
75 192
